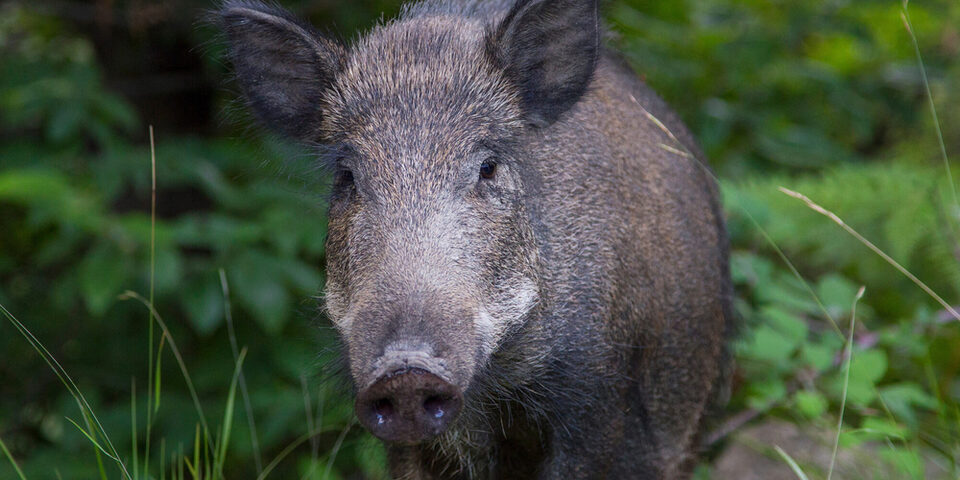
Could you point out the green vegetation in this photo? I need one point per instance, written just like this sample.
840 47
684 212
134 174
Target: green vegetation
822 98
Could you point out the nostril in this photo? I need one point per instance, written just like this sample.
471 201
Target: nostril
408 406
435 406
383 408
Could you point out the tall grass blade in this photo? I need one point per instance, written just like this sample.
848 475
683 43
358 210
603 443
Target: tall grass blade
176 354
196 453
153 242
905 16
173 465
251 424
792 268
67 382
956 444
163 455
336 448
157 376
13 462
836 219
90 429
228 415
133 425
846 381
191 469
318 423
308 410
793 464
207 470
92 440
180 472
283 454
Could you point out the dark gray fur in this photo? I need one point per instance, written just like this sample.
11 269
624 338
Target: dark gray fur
580 299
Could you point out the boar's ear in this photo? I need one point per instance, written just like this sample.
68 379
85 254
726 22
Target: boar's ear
549 49
282 65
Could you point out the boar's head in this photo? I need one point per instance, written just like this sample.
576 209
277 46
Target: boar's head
432 258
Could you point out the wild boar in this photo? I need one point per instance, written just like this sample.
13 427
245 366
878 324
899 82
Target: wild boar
526 259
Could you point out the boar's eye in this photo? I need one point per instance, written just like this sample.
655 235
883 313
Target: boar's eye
344 178
488 169
336 158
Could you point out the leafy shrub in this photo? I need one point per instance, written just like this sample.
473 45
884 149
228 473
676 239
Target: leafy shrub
75 208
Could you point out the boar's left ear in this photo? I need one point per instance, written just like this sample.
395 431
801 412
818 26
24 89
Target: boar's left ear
549 49
282 65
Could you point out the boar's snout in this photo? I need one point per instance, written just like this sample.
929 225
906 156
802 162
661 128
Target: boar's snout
408 406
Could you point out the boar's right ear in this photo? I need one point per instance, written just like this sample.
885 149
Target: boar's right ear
549 49
282 65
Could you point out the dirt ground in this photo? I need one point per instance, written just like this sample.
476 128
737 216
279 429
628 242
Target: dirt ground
750 455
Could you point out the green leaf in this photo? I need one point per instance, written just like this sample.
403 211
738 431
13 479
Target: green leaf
116 112
810 403
790 325
818 355
907 339
907 462
169 270
868 366
749 268
785 291
852 438
875 429
904 398
261 290
294 358
33 185
65 122
300 276
879 428
203 301
859 391
102 275
836 293
768 344
762 394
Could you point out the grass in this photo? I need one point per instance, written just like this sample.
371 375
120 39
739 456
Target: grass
210 451
905 16
94 432
16 467
848 356
887 258
792 463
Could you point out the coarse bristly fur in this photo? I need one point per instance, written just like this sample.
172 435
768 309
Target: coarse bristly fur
504 210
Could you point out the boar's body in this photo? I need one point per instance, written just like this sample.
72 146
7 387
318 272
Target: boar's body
561 315
634 255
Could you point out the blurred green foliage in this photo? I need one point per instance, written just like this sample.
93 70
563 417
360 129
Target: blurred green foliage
789 86
824 98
